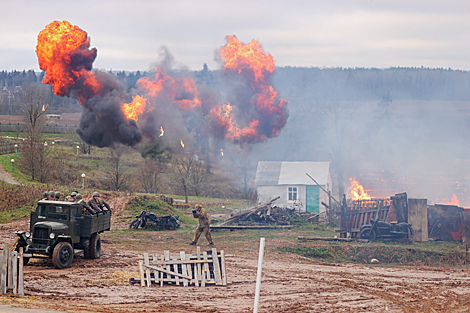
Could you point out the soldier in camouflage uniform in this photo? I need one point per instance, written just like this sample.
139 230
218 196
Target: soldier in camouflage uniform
50 196
98 204
45 196
57 196
204 222
87 210
72 197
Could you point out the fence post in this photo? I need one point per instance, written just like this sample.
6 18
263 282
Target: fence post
20 274
14 271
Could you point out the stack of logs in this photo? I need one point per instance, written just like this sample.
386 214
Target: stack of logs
261 214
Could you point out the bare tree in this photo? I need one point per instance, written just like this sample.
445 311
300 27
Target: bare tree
199 177
116 174
183 167
148 176
34 159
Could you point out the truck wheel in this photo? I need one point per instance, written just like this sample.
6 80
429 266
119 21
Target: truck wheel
62 255
95 246
25 261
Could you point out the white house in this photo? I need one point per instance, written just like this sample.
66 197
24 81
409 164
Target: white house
289 180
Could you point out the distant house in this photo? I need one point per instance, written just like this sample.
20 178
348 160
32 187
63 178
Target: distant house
289 181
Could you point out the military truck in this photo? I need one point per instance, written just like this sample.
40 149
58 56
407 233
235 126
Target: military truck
58 229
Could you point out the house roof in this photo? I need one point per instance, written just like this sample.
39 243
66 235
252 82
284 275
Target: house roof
291 173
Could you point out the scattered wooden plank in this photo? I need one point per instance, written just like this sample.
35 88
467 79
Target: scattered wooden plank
166 255
197 268
216 267
141 270
147 271
14 274
155 273
303 238
184 269
3 274
222 267
205 270
20 274
249 226
9 270
167 272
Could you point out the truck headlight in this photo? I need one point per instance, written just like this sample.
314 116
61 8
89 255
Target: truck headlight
51 235
27 234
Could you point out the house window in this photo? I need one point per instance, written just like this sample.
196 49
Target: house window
292 194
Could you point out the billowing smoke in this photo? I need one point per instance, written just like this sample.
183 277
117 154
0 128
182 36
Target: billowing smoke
167 101
64 54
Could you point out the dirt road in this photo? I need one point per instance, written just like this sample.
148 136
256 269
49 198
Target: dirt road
289 284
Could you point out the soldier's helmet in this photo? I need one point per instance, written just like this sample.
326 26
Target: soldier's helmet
73 194
79 196
96 194
44 194
57 194
198 206
51 193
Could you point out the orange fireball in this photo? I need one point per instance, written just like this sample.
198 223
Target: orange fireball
64 54
134 109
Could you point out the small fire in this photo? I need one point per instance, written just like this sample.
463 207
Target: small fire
222 152
357 190
162 132
43 108
134 109
182 143
453 201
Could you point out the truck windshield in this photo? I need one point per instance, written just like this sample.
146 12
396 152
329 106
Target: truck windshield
42 210
58 212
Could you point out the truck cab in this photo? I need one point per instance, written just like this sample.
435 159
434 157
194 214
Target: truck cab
58 229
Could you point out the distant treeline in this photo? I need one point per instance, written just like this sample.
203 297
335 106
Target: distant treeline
376 84
320 84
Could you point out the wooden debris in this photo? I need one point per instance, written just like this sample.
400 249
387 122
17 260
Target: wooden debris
197 270
303 238
11 271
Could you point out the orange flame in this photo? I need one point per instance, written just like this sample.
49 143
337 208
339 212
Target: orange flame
162 132
247 57
357 190
182 143
182 91
63 53
43 108
252 62
134 109
453 201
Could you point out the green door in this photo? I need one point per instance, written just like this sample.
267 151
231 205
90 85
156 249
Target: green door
313 203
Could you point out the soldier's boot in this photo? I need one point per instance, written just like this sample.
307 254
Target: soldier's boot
211 244
192 243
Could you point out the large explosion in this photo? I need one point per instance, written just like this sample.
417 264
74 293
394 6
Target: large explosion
251 110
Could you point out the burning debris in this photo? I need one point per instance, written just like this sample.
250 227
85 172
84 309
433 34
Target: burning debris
254 111
357 191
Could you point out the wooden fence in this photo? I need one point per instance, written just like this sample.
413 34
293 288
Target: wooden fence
200 269
360 213
11 271
47 128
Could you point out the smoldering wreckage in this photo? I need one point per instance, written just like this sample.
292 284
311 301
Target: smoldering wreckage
64 54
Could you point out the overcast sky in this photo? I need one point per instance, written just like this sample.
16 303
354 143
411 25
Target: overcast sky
343 33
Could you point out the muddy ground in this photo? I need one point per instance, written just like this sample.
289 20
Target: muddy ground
290 283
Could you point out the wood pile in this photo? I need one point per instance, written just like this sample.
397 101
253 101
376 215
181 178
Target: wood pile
261 214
